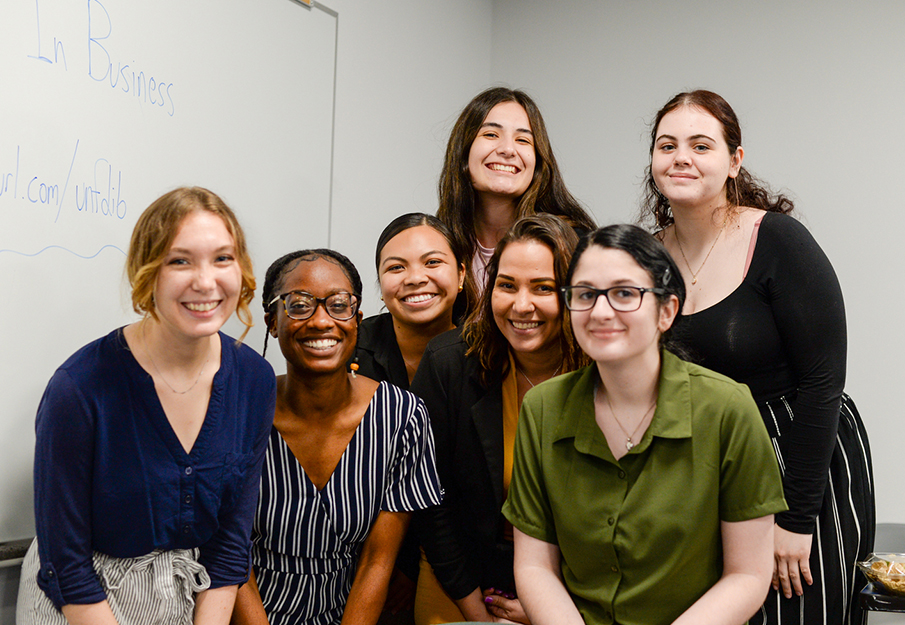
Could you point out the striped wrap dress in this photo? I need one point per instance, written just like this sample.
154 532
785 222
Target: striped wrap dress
306 542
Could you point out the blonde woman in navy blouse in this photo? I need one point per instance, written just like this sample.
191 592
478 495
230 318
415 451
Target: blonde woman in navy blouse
150 439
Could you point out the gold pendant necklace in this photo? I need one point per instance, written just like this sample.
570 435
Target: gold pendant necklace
629 443
694 274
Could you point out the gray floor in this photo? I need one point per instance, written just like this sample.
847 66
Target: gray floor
9 589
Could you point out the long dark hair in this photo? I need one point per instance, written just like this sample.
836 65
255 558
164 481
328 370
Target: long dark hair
652 257
482 335
746 190
547 192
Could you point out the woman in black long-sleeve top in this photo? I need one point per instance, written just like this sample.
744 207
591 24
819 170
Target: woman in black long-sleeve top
472 382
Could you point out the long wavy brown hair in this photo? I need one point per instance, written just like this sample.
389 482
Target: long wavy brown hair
482 335
745 189
547 192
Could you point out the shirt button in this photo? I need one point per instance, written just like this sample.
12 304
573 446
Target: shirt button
610 521
188 499
615 569
188 470
49 573
622 475
186 529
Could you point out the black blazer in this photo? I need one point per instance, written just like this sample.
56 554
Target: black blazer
463 536
378 353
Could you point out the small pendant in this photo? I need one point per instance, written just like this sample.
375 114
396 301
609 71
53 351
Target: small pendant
694 280
629 444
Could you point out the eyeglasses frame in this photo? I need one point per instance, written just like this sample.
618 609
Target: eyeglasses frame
318 301
606 293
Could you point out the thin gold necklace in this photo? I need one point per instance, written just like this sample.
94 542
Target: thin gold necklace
154 364
694 274
527 379
629 443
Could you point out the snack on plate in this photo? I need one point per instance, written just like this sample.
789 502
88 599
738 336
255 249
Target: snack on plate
887 570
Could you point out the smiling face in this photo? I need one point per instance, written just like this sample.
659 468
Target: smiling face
524 298
419 277
691 162
320 343
198 284
611 337
502 158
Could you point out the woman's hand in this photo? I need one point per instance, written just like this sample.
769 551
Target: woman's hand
504 607
792 553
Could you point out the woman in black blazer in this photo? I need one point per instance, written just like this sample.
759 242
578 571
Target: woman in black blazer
472 381
421 270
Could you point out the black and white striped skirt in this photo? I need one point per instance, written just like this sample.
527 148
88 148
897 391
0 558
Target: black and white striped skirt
154 589
844 533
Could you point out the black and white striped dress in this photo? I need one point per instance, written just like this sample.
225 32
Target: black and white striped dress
306 542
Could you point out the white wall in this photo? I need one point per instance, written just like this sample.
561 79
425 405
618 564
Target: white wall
405 70
819 89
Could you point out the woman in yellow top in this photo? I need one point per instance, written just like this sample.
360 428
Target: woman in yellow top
472 383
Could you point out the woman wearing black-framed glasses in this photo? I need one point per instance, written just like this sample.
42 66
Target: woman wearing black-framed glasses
348 458
644 487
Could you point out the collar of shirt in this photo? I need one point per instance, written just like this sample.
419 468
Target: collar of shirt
672 418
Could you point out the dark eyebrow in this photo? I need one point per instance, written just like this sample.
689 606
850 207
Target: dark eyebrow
692 138
399 259
500 126
501 276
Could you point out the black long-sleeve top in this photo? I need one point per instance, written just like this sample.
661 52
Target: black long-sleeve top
782 332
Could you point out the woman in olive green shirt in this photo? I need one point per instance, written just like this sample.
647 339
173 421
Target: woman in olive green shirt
644 487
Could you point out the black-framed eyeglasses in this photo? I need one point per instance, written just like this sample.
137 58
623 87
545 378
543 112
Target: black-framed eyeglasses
300 305
621 298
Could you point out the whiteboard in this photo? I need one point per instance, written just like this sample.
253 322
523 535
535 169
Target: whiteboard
104 106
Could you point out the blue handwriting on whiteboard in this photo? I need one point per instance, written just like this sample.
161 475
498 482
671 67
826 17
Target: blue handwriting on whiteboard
93 198
146 88
60 247
58 50
102 197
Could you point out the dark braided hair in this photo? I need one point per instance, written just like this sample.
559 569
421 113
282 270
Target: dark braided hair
281 267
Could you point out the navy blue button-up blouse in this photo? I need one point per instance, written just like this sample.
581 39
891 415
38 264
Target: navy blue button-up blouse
111 475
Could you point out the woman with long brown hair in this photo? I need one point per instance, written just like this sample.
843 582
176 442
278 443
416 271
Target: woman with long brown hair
499 167
765 308
472 381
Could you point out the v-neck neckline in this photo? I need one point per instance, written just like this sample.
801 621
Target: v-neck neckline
158 415
342 458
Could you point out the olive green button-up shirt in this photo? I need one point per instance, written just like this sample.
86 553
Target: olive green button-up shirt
640 537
